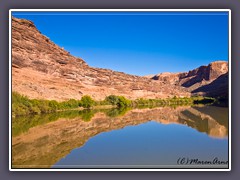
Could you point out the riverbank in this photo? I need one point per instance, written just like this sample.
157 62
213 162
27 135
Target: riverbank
22 105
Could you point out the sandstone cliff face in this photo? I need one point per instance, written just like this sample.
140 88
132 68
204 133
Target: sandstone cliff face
218 87
195 79
41 69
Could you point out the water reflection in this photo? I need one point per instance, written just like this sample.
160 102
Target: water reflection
41 141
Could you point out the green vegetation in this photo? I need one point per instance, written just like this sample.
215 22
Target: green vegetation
120 101
87 114
22 124
22 105
175 101
86 102
116 112
28 113
112 99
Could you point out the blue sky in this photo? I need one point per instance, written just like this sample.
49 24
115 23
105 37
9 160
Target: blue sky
138 43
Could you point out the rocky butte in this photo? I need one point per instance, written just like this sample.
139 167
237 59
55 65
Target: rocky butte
210 80
42 69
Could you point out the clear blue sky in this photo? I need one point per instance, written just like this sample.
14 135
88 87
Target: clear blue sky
138 43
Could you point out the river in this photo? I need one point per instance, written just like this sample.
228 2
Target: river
162 137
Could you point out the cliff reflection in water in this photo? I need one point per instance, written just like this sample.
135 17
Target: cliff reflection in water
41 141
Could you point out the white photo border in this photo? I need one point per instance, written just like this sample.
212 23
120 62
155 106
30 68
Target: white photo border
119 10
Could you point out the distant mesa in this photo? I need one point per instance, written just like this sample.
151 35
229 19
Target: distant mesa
218 87
41 69
198 81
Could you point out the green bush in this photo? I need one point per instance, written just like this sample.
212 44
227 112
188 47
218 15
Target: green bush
87 101
123 102
54 105
112 99
120 101
44 107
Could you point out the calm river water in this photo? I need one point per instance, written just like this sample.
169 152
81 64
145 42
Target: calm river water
163 137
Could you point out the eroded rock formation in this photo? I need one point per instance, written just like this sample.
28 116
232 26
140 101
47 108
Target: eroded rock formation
41 69
195 79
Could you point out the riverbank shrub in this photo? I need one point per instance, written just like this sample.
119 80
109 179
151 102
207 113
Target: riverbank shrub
22 105
112 99
86 102
123 102
120 101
